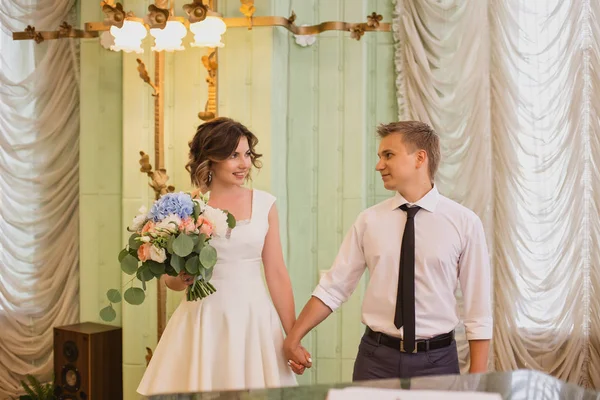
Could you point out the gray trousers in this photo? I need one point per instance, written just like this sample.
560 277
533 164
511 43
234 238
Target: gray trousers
376 361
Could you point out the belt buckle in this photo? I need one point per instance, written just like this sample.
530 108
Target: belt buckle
404 351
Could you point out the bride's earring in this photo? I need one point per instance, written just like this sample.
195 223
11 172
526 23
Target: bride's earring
209 176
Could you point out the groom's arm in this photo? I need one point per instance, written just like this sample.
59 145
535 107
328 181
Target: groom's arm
313 313
479 350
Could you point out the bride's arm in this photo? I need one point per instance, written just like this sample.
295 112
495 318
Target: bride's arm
276 274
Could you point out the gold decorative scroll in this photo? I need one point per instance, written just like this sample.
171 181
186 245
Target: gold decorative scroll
39 36
158 178
210 63
145 77
92 29
159 110
306 30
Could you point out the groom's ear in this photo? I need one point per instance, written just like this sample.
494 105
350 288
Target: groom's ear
421 158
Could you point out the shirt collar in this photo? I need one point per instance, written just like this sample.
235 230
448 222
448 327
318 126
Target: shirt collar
427 202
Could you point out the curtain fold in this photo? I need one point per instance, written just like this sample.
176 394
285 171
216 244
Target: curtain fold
39 189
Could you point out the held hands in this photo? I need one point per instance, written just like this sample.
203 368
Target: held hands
299 368
298 357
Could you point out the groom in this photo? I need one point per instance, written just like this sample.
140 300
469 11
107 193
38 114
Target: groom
418 247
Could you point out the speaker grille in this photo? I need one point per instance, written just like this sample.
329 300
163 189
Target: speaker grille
70 378
70 351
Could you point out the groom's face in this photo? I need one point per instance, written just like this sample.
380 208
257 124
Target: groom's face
398 163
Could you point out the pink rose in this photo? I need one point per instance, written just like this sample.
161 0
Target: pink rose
144 252
187 225
148 228
205 226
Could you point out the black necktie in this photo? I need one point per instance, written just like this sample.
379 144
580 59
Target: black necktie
405 298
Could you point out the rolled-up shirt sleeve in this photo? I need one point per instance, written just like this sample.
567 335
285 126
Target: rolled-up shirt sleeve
475 282
339 282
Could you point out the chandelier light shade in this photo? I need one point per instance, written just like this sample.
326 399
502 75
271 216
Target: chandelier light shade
170 37
207 33
129 37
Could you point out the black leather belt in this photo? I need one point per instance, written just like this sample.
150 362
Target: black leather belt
436 342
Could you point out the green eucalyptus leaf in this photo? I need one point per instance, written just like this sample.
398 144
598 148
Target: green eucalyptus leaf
122 254
183 245
129 264
170 241
114 296
156 268
206 273
169 270
230 220
134 296
144 273
201 243
208 256
108 314
192 265
178 263
134 244
196 211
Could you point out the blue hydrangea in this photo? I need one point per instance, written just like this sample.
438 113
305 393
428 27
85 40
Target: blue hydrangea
180 204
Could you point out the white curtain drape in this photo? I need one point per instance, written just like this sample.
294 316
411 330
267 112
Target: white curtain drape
513 88
39 185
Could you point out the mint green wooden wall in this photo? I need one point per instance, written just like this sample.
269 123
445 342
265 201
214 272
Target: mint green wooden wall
338 90
100 169
314 110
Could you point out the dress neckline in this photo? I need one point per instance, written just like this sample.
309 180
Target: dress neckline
252 205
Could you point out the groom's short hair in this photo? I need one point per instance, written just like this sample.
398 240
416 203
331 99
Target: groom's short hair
420 136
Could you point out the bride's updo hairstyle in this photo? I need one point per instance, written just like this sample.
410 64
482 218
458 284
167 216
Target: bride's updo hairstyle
214 141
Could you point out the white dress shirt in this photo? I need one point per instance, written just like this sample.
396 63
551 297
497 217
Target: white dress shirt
450 247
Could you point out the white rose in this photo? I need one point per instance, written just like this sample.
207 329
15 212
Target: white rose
218 219
139 220
158 254
145 239
170 224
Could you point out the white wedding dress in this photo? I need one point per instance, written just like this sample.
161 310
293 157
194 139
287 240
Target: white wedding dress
233 338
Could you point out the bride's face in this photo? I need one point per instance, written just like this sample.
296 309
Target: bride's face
235 169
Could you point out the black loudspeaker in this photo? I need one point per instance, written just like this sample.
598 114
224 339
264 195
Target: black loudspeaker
88 362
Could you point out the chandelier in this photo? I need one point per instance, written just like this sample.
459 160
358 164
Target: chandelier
127 31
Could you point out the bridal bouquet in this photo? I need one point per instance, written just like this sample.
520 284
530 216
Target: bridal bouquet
174 236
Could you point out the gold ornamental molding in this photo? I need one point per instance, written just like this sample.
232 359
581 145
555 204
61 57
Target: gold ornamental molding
94 29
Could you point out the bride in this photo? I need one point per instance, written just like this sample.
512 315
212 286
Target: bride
232 339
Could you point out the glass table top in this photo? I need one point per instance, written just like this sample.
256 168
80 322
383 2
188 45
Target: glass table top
521 384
